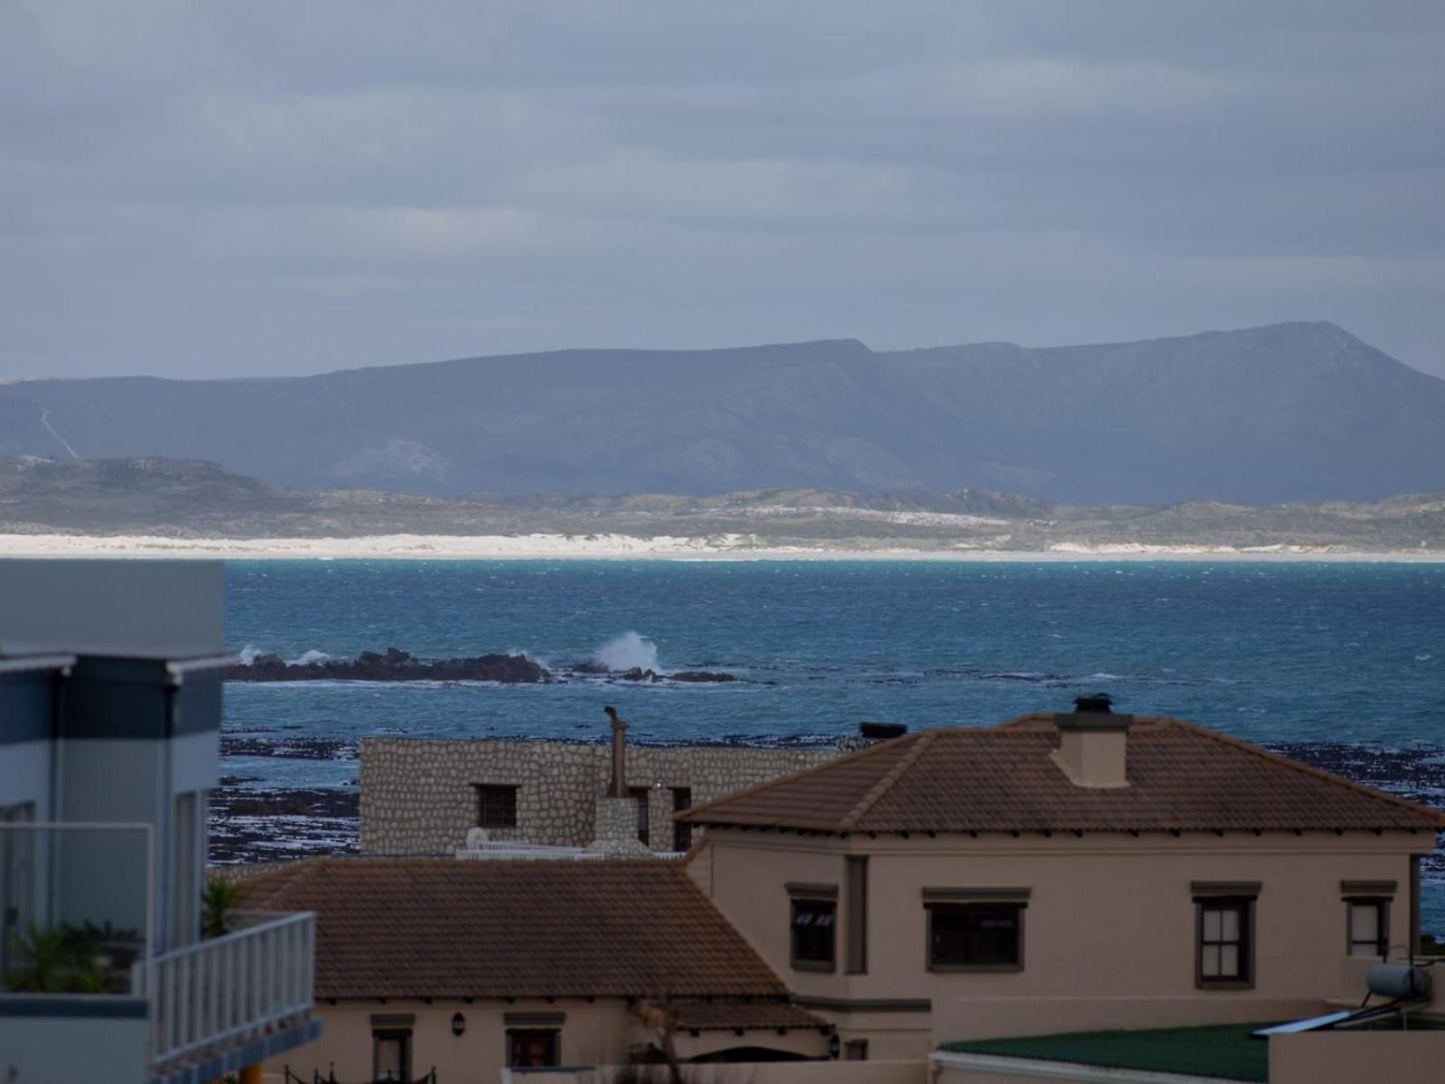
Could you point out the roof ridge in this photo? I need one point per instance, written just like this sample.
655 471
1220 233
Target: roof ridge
802 773
273 884
1308 769
882 787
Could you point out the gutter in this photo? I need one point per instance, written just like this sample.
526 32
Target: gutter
177 669
22 664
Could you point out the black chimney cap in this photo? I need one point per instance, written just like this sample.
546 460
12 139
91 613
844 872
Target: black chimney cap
882 731
1094 704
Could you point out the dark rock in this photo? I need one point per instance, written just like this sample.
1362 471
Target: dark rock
701 675
395 665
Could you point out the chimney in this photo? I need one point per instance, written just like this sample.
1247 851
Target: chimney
618 789
1093 743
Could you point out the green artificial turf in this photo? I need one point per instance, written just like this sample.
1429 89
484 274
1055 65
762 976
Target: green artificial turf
1220 1050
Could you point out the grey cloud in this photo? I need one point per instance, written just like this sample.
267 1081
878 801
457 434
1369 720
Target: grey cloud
266 187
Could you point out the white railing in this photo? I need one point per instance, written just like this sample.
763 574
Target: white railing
510 849
227 987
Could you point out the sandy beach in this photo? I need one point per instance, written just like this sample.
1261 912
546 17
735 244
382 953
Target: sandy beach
722 547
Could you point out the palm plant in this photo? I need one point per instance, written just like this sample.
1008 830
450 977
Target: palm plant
219 901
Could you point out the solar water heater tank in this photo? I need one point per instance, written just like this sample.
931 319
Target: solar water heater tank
1400 981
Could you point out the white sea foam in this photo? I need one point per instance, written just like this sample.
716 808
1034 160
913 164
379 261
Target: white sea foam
627 652
248 654
307 658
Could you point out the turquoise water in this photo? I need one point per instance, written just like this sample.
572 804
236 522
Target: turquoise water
1347 653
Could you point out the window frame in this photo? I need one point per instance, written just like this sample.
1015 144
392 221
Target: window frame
975 907
1381 944
486 791
517 1035
855 934
824 900
1244 906
391 1034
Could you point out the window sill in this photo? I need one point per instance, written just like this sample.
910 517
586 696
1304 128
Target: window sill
1224 984
814 965
981 969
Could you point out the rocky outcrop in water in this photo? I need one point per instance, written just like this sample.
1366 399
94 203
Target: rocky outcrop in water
637 673
395 665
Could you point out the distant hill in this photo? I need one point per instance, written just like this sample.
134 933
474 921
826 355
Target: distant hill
1287 412
191 500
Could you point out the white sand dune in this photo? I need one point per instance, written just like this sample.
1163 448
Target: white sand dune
617 546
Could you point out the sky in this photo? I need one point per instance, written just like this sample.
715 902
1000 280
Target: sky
284 187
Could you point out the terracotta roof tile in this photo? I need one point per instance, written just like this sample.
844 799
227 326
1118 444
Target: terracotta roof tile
451 928
1182 777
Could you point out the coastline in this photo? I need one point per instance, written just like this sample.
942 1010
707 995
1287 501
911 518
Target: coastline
724 547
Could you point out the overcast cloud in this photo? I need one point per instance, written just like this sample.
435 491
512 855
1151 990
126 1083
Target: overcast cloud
225 189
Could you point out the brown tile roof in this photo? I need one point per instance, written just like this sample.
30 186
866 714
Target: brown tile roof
1182 777
428 927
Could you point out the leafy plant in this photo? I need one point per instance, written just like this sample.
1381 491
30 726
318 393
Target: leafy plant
1431 945
219 901
54 961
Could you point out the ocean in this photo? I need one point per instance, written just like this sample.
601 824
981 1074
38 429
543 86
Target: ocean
1341 663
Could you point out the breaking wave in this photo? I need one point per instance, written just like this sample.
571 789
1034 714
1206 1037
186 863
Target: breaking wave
629 651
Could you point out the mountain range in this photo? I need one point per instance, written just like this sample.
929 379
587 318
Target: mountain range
1287 412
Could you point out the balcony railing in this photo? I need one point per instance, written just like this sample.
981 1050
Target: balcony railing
227 988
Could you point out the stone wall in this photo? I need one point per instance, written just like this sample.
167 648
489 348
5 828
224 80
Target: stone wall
418 795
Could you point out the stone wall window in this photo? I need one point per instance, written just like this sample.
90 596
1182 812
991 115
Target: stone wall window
681 832
642 796
496 805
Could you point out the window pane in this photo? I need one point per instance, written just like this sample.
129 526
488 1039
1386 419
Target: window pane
1212 925
813 930
1229 961
974 934
496 806
1209 961
1229 924
1364 922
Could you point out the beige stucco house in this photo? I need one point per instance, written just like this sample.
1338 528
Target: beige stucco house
1061 873
467 967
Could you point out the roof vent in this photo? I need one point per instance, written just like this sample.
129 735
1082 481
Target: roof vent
1094 704
882 731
